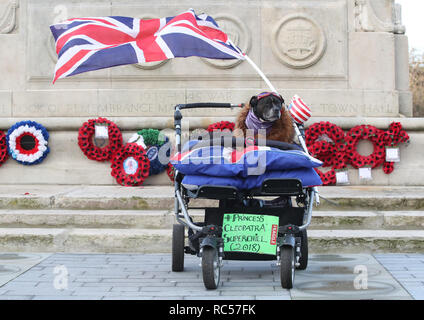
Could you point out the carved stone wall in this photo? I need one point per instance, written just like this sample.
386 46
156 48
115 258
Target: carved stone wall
298 44
345 58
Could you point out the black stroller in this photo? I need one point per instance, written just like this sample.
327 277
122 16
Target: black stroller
205 239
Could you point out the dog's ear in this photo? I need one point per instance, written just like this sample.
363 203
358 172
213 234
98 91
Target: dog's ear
253 102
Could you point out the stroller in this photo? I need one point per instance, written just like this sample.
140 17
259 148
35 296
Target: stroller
205 239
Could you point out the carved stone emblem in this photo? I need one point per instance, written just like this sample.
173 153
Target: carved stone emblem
238 33
366 19
298 41
8 18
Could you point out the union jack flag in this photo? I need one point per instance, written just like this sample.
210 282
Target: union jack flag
86 44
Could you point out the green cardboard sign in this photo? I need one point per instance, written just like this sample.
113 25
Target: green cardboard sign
250 233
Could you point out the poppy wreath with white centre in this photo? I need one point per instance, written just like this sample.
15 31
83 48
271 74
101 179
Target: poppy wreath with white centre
130 165
27 142
392 138
93 152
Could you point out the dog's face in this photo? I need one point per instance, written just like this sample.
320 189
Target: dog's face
267 108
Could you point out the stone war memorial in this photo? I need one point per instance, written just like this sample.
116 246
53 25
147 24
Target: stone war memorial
347 59
87 80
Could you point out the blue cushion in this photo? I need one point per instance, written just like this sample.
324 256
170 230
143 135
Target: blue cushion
226 162
307 176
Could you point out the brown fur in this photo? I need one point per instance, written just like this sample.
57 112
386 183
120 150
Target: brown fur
281 130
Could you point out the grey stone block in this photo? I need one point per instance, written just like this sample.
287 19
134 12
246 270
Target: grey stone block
120 297
287 297
16 297
78 297
126 289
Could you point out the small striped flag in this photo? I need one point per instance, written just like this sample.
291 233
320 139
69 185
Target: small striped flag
299 111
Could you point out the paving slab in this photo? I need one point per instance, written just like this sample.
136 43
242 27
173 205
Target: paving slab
14 264
328 276
340 277
411 278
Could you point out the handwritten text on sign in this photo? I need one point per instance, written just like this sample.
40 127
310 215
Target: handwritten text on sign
250 233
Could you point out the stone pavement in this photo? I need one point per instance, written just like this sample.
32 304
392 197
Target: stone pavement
148 276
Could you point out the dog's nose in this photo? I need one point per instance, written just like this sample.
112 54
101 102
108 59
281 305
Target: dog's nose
277 112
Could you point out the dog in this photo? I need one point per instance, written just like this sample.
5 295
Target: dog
266 111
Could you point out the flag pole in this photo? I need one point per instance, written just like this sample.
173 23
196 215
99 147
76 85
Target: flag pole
263 76
259 71
299 135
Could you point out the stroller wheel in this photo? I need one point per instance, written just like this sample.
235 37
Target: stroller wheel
210 267
303 261
287 267
177 248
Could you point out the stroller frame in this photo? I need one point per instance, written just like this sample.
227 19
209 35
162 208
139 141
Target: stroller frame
205 239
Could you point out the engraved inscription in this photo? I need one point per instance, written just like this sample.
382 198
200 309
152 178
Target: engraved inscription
131 109
356 109
52 109
146 103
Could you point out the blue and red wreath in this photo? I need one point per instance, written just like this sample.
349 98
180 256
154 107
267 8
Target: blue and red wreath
27 142
158 157
130 165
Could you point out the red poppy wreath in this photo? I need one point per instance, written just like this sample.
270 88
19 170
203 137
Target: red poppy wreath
325 141
93 152
130 165
170 171
221 126
3 148
372 134
392 138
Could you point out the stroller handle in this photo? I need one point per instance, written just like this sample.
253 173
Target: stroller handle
207 105
178 116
